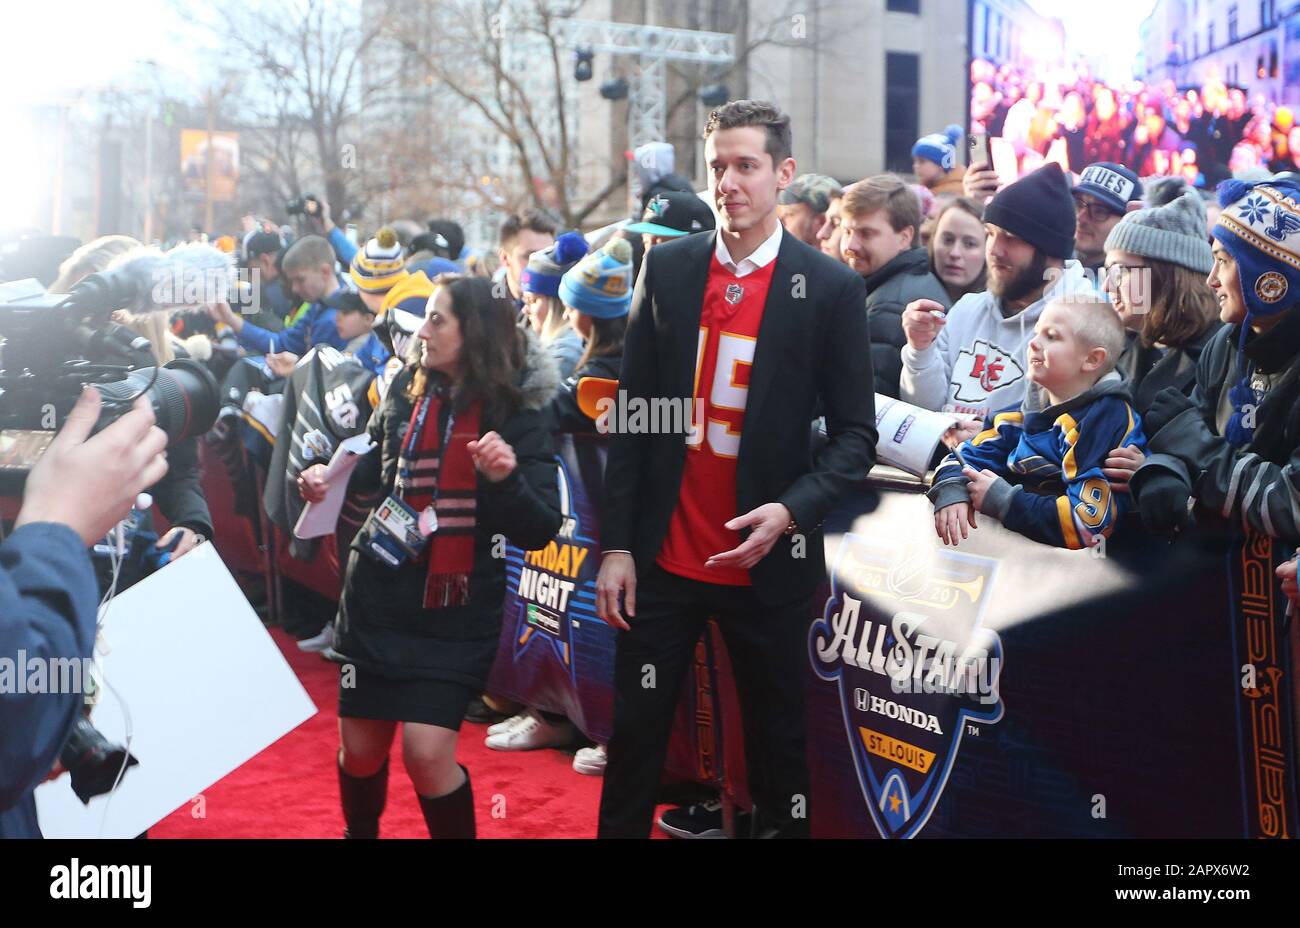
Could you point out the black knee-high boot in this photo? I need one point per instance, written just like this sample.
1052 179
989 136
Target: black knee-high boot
363 801
452 815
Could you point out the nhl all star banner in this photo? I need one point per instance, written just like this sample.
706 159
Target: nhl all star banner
1004 688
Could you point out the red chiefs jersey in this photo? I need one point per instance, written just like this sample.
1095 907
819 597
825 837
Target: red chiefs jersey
729 321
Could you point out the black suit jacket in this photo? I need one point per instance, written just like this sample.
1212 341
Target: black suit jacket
813 356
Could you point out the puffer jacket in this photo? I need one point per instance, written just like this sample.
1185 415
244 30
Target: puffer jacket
1256 485
904 279
382 625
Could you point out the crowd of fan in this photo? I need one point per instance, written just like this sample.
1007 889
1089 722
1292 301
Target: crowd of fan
1106 343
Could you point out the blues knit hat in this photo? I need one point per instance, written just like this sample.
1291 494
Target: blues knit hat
1260 228
674 213
379 265
1173 233
813 190
1112 184
1039 209
600 285
546 267
941 147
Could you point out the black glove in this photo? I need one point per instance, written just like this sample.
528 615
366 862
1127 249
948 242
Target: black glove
1162 500
1167 404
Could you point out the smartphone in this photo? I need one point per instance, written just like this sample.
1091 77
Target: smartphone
977 149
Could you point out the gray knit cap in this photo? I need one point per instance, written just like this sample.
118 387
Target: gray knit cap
1175 233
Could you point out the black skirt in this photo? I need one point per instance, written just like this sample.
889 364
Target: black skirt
367 695
402 662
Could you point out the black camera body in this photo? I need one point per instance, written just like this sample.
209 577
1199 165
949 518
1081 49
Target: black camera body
306 205
56 344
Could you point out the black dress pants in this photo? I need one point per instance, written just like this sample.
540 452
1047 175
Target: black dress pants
766 646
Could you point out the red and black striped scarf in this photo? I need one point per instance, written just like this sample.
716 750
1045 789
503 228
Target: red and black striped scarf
454 481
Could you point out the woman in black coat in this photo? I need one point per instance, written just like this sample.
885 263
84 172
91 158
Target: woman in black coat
463 442
1156 262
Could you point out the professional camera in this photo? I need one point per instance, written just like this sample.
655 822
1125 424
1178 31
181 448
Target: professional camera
306 205
94 762
51 346
55 344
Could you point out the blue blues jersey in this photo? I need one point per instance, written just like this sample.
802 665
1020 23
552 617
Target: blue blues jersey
1051 461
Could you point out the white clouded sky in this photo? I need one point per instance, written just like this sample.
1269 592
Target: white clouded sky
1111 25
67 45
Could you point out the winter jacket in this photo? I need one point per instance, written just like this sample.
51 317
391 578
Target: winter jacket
904 279
951 185
977 362
1258 484
566 349
1049 459
563 411
314 327
48 598
382 626
327 401
1150 370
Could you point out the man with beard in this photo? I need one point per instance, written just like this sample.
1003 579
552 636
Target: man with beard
972 359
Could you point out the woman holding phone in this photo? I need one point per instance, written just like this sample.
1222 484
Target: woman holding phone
466 459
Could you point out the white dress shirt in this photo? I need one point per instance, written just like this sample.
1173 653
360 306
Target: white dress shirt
763 255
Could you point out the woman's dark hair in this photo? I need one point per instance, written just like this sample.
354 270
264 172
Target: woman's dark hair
1182 306
606 339
491 352
970 208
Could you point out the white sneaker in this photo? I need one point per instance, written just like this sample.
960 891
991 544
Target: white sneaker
590 761
533 733
500 728
319 643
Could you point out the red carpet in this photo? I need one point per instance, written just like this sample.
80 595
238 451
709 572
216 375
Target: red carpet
290 790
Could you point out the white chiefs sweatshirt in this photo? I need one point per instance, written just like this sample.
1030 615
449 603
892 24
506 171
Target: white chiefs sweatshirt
977 365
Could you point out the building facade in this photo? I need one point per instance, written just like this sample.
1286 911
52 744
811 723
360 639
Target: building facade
1252 44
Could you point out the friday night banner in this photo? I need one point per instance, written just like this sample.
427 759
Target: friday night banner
555 654
1009 689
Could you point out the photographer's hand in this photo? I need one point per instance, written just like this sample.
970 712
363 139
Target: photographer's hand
91 484
326 222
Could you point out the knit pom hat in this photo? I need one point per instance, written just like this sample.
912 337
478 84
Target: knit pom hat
378 266
601 284
1038 208
1173 233
402 311
1260 228
941 147
546 267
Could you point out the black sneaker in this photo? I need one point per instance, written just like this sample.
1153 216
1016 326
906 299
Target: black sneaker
480 712
701 820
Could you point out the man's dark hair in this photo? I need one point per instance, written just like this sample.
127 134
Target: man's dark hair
760 114
534 220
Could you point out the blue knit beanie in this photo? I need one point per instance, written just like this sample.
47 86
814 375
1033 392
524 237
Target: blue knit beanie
941 147
600 285
546 267
1260 228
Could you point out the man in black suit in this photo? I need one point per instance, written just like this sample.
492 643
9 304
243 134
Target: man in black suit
754 333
